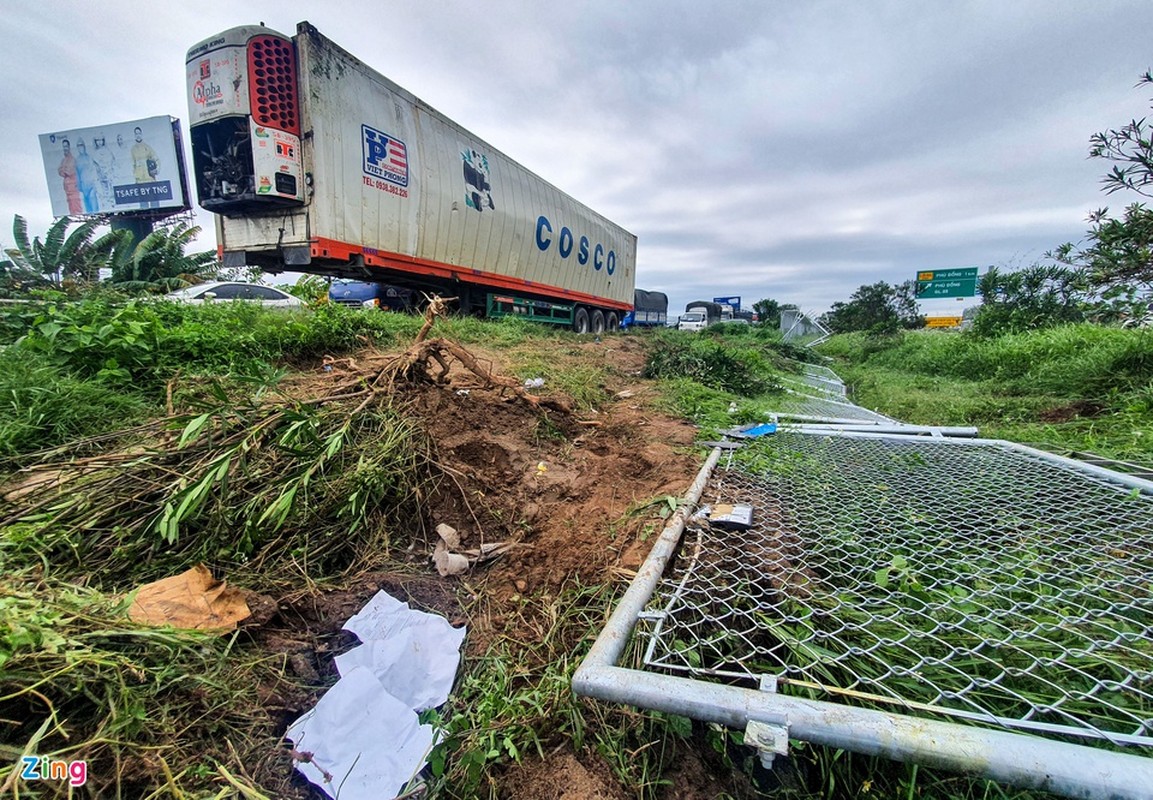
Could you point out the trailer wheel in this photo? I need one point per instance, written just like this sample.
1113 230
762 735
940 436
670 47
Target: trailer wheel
580 321
598 322
612 321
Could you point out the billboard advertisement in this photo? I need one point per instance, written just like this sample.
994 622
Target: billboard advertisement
123 167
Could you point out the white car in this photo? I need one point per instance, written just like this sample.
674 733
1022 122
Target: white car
235 290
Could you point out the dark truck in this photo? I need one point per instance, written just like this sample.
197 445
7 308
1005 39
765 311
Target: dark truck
700 314
650 310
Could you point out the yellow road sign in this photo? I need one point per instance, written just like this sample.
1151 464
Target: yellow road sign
942 322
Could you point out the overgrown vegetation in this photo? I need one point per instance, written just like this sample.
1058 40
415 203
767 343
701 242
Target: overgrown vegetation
877 308
729 375
1083 387
740 369
254 472
145 707
74 369
73 260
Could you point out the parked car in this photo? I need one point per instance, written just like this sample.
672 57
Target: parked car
362 294
235 290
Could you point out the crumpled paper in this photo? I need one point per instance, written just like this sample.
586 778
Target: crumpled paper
412 653
363 739
359 741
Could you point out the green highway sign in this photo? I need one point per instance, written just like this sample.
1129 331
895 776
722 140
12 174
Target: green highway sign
928 290
963 274
936 283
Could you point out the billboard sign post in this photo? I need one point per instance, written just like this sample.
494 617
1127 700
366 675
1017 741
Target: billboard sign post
939 283
732 302
123 167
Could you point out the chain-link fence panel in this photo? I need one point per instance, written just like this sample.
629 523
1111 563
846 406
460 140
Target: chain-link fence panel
817 386
794 402
971 579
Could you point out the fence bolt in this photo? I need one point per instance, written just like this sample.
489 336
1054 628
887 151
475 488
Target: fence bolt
769 740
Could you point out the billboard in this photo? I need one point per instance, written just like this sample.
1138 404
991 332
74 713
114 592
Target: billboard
123 167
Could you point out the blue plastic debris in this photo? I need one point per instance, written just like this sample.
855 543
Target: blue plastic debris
764 429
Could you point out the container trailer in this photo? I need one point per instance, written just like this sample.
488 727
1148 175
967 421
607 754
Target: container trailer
314 162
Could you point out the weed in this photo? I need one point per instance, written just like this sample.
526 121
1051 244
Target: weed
742 371
1083 386
240 483
79 681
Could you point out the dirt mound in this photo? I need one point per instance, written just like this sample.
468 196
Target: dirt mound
561 776
559 485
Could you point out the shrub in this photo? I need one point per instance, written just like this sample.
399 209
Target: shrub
740 370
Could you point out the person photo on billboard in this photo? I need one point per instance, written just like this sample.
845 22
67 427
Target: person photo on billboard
122 161
67 171
105 161
145 163
87 178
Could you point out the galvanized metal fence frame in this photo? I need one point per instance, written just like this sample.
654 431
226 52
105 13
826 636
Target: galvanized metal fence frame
770 719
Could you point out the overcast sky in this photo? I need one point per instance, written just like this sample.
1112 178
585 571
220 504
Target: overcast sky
761 149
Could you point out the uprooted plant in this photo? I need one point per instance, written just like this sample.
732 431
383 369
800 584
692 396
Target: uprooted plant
322 479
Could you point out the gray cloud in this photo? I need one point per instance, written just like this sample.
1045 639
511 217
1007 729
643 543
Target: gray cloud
788 150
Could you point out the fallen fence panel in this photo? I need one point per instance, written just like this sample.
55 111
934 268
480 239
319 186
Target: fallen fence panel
887 576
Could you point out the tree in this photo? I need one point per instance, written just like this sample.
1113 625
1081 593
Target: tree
1131 146
1119 253
78 255
1116 260
876 308
1038 296
160 260
768 312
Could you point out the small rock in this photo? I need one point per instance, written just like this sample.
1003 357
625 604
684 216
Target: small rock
302 667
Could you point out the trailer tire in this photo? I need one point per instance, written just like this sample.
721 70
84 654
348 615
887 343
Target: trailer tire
580 321
598 322
612 321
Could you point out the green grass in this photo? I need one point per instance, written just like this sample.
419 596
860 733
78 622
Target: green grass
296 492
42 404
244 487
148 708
515 701
72 369
1081 387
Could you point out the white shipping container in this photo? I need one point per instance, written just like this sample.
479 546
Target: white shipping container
388 184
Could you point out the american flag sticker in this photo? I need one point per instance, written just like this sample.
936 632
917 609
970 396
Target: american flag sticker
385 157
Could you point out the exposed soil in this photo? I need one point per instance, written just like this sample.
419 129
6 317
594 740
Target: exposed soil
1071 411
558 486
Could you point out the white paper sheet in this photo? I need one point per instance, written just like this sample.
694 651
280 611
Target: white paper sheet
364 731
368 741
413 654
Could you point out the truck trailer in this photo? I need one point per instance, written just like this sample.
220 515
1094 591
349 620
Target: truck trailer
650 310
314 162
